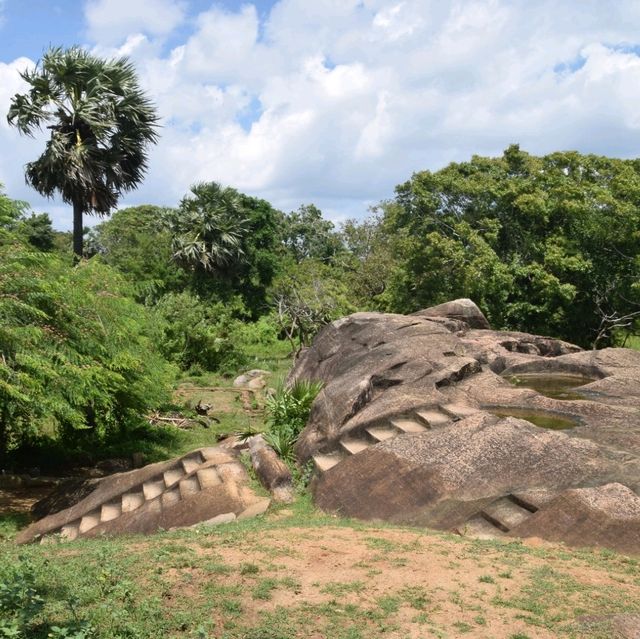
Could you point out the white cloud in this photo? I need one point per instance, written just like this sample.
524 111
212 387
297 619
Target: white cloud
337 101
111 20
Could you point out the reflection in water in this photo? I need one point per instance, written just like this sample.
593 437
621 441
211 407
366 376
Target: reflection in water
554 386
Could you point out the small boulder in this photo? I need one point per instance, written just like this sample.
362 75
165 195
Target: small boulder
250 376
463 310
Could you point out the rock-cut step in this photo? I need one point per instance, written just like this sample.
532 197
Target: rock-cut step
111 510
353 445
505 514
479 528
406 425
434 417
380 433
191 463
132 501
89 521
324 462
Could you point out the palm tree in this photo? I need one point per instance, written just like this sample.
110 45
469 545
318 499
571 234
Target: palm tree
208 228
101 123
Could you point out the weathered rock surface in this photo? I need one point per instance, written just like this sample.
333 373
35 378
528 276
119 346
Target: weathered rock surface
198 487
272 472
407 428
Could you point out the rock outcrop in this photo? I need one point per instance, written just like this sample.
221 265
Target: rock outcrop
207 485
427 420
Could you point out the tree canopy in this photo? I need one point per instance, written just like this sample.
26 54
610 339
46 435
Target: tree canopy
544 244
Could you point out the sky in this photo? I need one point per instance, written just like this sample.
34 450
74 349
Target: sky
335 102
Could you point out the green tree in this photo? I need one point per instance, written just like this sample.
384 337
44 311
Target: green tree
229 242
10 211
198 336
208 229
307 235
101 124
544 244
137 242
307 297
38 231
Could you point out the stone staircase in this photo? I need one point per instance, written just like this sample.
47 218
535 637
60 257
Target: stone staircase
188 476
421 420
498 518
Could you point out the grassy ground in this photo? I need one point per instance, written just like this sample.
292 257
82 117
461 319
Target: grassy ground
297 573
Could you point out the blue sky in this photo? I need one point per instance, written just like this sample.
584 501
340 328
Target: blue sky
337 101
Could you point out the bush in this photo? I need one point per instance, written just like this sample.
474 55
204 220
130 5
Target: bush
77 355
287 414
199 337
263 332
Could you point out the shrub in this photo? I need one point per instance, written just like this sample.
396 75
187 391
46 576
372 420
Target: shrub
198 336
77 355
287 414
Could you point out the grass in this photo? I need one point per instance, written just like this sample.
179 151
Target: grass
239 580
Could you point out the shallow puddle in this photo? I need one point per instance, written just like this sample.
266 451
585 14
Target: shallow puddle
538 418
553 386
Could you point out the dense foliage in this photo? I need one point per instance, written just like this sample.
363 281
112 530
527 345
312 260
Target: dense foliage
287 414
137 242
77 354
544 244
198 337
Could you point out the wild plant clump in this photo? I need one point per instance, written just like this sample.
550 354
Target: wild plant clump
287 414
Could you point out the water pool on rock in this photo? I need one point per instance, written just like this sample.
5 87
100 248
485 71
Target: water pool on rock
553 386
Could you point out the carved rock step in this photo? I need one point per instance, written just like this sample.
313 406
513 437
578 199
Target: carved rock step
189 486
69 532
405 425
354 446
505 513
152 489
460 410
208 477
132 501
479 528
173 476
89 521
433 416
111 510
380 433
191 463
325 462
170 497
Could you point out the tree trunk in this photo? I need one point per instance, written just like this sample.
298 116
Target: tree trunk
77 229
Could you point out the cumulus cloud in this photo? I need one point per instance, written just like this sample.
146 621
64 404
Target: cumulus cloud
337 101
110 20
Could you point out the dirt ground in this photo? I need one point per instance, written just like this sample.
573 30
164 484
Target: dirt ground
387 582
20 500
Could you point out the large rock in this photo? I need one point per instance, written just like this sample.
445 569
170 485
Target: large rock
418 422
195 488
